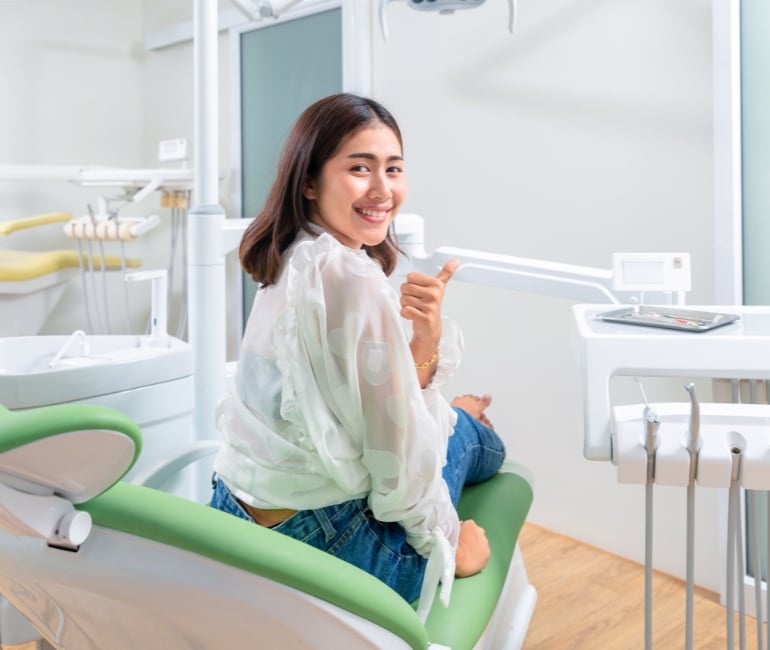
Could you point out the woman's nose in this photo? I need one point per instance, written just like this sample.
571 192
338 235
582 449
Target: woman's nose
379 187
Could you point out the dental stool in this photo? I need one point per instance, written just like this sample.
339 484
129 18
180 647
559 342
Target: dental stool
96 563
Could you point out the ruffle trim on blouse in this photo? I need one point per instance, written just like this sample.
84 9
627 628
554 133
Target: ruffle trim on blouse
440 569
451 352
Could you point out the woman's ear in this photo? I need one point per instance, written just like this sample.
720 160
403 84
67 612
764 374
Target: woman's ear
309 191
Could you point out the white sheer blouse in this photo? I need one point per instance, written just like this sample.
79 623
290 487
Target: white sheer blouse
326 405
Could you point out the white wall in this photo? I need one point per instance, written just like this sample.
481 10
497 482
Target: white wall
589 132
78 90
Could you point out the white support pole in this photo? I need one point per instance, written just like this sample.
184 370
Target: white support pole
206 258
728 247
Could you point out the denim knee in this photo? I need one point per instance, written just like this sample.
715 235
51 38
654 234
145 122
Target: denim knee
474 453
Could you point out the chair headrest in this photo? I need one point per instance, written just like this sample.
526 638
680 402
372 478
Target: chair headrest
75 451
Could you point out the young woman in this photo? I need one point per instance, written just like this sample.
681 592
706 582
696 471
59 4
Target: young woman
337 433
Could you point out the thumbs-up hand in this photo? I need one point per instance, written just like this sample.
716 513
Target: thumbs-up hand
447 271
421 298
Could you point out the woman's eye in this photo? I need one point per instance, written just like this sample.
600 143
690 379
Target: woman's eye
394 170
360 168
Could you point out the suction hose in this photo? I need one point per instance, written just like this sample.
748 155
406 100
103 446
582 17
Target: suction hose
735 543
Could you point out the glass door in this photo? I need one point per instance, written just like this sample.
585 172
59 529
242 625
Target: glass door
284 67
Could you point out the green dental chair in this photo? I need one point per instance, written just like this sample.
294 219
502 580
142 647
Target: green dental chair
95 563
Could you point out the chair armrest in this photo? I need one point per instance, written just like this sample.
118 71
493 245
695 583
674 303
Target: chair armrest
500 506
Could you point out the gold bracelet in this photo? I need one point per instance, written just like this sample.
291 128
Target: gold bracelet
426 364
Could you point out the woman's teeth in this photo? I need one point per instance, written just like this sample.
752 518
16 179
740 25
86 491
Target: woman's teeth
377 214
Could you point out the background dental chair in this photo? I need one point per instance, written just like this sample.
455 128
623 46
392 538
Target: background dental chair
32 282
97 563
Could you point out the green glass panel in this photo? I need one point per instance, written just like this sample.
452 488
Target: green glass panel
755 144
284 69
755 118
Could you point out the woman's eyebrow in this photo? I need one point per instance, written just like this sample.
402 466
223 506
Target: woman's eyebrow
371 156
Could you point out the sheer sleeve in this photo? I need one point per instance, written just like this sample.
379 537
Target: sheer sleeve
451 347
349 322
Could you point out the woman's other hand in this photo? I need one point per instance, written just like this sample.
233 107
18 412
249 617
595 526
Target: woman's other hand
472 549
475 406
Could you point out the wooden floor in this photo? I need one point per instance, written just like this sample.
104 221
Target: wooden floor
591 600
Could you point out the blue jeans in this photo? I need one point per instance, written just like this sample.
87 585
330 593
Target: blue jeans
349 530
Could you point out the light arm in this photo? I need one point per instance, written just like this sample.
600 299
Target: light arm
581 283
666 276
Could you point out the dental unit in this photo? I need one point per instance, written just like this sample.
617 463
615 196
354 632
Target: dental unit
696 445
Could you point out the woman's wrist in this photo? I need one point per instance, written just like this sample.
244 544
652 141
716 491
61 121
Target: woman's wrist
428 362
424 353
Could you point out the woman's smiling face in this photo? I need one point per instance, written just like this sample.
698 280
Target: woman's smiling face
360 188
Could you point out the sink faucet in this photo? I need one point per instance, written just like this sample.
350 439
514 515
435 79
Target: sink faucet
83 351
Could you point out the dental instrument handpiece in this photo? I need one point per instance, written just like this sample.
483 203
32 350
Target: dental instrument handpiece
651 426
693 441
693 444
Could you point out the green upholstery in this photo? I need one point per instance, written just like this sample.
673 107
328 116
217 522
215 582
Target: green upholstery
500 506
202 530
22 427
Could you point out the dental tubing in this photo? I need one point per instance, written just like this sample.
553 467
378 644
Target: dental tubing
753 505
735 552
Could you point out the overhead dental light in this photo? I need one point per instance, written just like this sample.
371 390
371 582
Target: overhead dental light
444 7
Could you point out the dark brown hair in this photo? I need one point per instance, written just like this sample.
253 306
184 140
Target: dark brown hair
315 137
